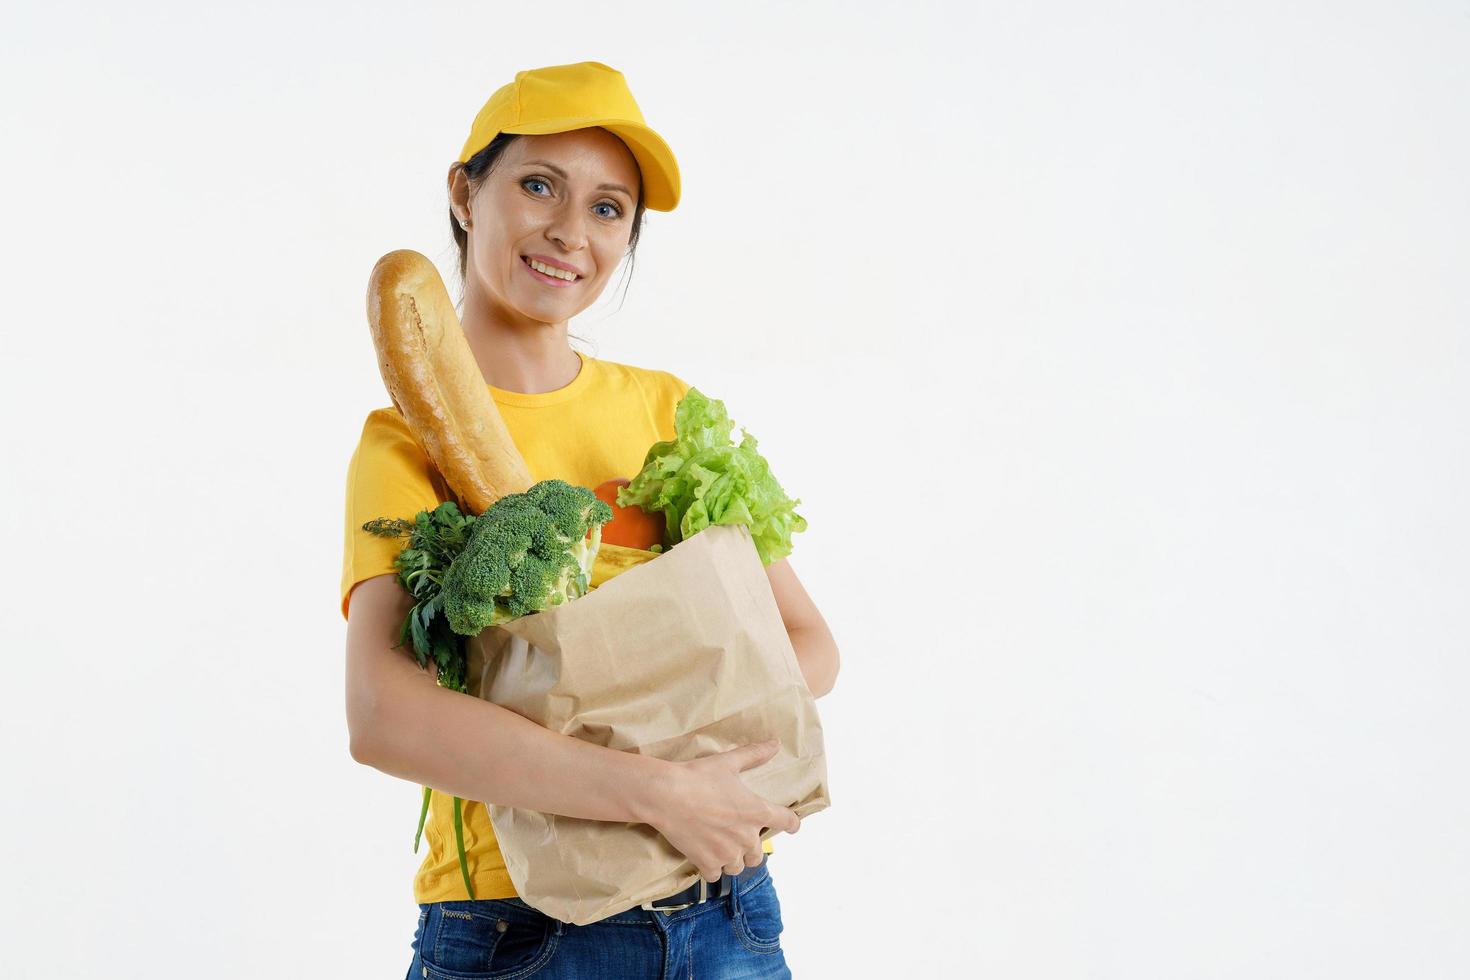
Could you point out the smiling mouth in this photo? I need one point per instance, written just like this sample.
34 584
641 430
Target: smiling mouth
575 276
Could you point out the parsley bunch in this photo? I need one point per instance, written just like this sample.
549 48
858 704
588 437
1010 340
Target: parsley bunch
435 538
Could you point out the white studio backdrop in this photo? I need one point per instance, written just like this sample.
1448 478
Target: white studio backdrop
1117 353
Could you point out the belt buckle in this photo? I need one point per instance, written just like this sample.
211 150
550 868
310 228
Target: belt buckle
671 909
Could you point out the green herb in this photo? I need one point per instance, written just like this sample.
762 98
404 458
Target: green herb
435 539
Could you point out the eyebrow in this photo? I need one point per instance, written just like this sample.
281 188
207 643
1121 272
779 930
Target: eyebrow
563 175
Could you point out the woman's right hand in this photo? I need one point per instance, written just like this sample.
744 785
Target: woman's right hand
711 817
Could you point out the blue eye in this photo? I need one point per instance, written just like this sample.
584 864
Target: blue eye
618 211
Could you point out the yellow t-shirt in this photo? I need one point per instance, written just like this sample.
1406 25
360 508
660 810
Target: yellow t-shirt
598 427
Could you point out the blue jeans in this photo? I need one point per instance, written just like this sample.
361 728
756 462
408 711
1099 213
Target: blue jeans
504 938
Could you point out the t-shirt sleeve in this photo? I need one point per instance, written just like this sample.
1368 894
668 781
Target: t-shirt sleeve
389 475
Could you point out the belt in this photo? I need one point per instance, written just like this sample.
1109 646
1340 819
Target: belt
702 890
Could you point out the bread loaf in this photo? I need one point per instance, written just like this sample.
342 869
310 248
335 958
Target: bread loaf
435 384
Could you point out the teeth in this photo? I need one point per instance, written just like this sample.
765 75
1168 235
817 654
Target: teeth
548 270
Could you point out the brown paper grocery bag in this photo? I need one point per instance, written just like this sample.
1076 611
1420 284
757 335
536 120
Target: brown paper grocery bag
677 658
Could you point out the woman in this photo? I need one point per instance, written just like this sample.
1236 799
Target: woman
546 199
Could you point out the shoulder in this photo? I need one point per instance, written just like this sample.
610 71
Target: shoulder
386 438
385 424
653 381
388 463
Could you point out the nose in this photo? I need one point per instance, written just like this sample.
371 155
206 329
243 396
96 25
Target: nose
568 227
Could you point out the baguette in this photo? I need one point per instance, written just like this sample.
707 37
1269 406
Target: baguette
435 384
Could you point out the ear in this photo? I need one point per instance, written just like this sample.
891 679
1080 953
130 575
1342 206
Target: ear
459 191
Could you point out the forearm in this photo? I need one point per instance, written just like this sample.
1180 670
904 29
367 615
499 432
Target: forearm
476 750
816 653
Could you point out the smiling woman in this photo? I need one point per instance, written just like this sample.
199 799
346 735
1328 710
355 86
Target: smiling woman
541 221
546 199
617 203
558 210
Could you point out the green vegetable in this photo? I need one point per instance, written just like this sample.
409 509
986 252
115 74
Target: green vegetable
528 552
435 539
700 478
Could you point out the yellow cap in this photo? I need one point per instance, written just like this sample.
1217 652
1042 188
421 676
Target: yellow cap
565 97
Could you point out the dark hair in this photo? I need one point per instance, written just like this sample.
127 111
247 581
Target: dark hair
479 168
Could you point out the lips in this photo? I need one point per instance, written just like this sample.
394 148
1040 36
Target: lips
527 259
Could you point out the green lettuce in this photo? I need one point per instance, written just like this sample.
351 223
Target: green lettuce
701 477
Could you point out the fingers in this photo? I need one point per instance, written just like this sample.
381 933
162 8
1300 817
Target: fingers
752 857
785 819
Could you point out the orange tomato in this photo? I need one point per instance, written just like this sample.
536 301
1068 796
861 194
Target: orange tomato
631 527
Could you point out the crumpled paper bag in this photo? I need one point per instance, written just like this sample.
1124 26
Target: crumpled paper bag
678 658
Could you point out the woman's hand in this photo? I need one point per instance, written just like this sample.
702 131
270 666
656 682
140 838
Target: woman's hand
711 817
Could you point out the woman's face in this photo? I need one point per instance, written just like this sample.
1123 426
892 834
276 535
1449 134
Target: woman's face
565 199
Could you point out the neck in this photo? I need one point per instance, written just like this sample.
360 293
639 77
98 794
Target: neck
515 353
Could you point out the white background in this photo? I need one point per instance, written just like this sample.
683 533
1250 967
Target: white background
1117 353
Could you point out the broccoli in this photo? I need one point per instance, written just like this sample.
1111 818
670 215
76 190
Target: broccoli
527 552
